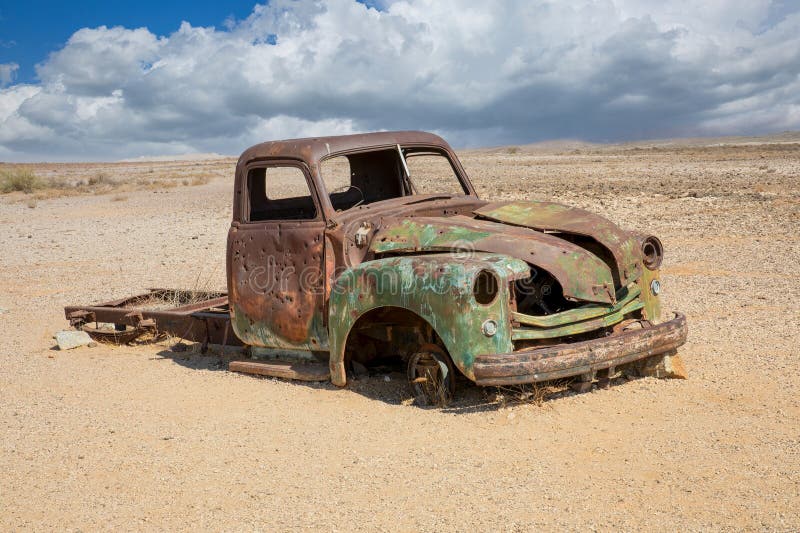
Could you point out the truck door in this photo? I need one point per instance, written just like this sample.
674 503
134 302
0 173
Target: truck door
275 257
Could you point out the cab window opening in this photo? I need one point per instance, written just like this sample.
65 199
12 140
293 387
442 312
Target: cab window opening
279 192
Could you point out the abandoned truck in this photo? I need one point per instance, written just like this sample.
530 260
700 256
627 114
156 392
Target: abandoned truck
358 247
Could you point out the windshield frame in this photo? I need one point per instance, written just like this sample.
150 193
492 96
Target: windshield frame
454 162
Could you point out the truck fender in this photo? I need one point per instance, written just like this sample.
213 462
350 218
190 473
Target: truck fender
439 288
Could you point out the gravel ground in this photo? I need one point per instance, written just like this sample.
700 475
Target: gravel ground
143 438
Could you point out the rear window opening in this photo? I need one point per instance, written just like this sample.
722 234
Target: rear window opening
279 192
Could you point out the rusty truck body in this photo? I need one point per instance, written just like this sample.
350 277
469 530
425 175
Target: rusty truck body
358 247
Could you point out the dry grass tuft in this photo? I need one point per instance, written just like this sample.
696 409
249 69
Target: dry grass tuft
101 178
45 181
201 290
19 179
533 394
170 299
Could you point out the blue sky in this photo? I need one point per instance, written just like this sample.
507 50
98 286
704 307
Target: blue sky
110 80
31 29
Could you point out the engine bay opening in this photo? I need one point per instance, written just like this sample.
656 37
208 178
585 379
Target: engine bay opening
540 294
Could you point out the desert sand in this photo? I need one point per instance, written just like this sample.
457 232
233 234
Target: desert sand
145 438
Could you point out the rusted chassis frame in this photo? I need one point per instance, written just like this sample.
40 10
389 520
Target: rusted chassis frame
579 358
207 322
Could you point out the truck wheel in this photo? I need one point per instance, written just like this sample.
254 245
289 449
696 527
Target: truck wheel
431 376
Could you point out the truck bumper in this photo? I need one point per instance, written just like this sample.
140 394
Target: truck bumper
546 363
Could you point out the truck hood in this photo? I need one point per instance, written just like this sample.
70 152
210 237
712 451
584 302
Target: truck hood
589 268
623 245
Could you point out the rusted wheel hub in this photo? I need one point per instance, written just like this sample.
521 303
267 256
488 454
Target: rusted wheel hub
431 376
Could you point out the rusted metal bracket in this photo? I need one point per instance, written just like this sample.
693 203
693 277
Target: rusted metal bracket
583 383
604 376
124 333
608 289
79 318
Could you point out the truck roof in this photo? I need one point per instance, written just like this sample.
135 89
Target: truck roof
312 149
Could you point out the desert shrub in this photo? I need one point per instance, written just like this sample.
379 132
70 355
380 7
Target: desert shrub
101 178
57 183
19 179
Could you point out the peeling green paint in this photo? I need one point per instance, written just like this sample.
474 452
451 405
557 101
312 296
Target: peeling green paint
580 327
652 303
586 312
255 333
423 236
581 274
438 288
549 216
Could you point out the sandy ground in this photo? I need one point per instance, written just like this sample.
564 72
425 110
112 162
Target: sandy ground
142 438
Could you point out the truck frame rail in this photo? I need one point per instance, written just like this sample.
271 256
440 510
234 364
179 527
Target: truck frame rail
197 316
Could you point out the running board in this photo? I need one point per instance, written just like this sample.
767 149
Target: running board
283 369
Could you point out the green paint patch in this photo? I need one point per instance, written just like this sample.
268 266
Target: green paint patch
435 287
586 312
423 236
580 327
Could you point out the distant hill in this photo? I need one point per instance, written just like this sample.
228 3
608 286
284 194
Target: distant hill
568 145
557 145
180 157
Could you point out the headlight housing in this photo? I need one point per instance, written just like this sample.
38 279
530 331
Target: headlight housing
653 252
486 287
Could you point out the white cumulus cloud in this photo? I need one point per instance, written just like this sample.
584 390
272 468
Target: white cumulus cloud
8 72
509 71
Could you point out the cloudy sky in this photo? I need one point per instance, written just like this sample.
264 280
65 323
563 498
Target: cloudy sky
173 81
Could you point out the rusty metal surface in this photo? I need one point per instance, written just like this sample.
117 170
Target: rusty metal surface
576 328
275 284
565 360
576 321
282 369
279 273
312 150
552 217
204 320
124 335
579 314
582 275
